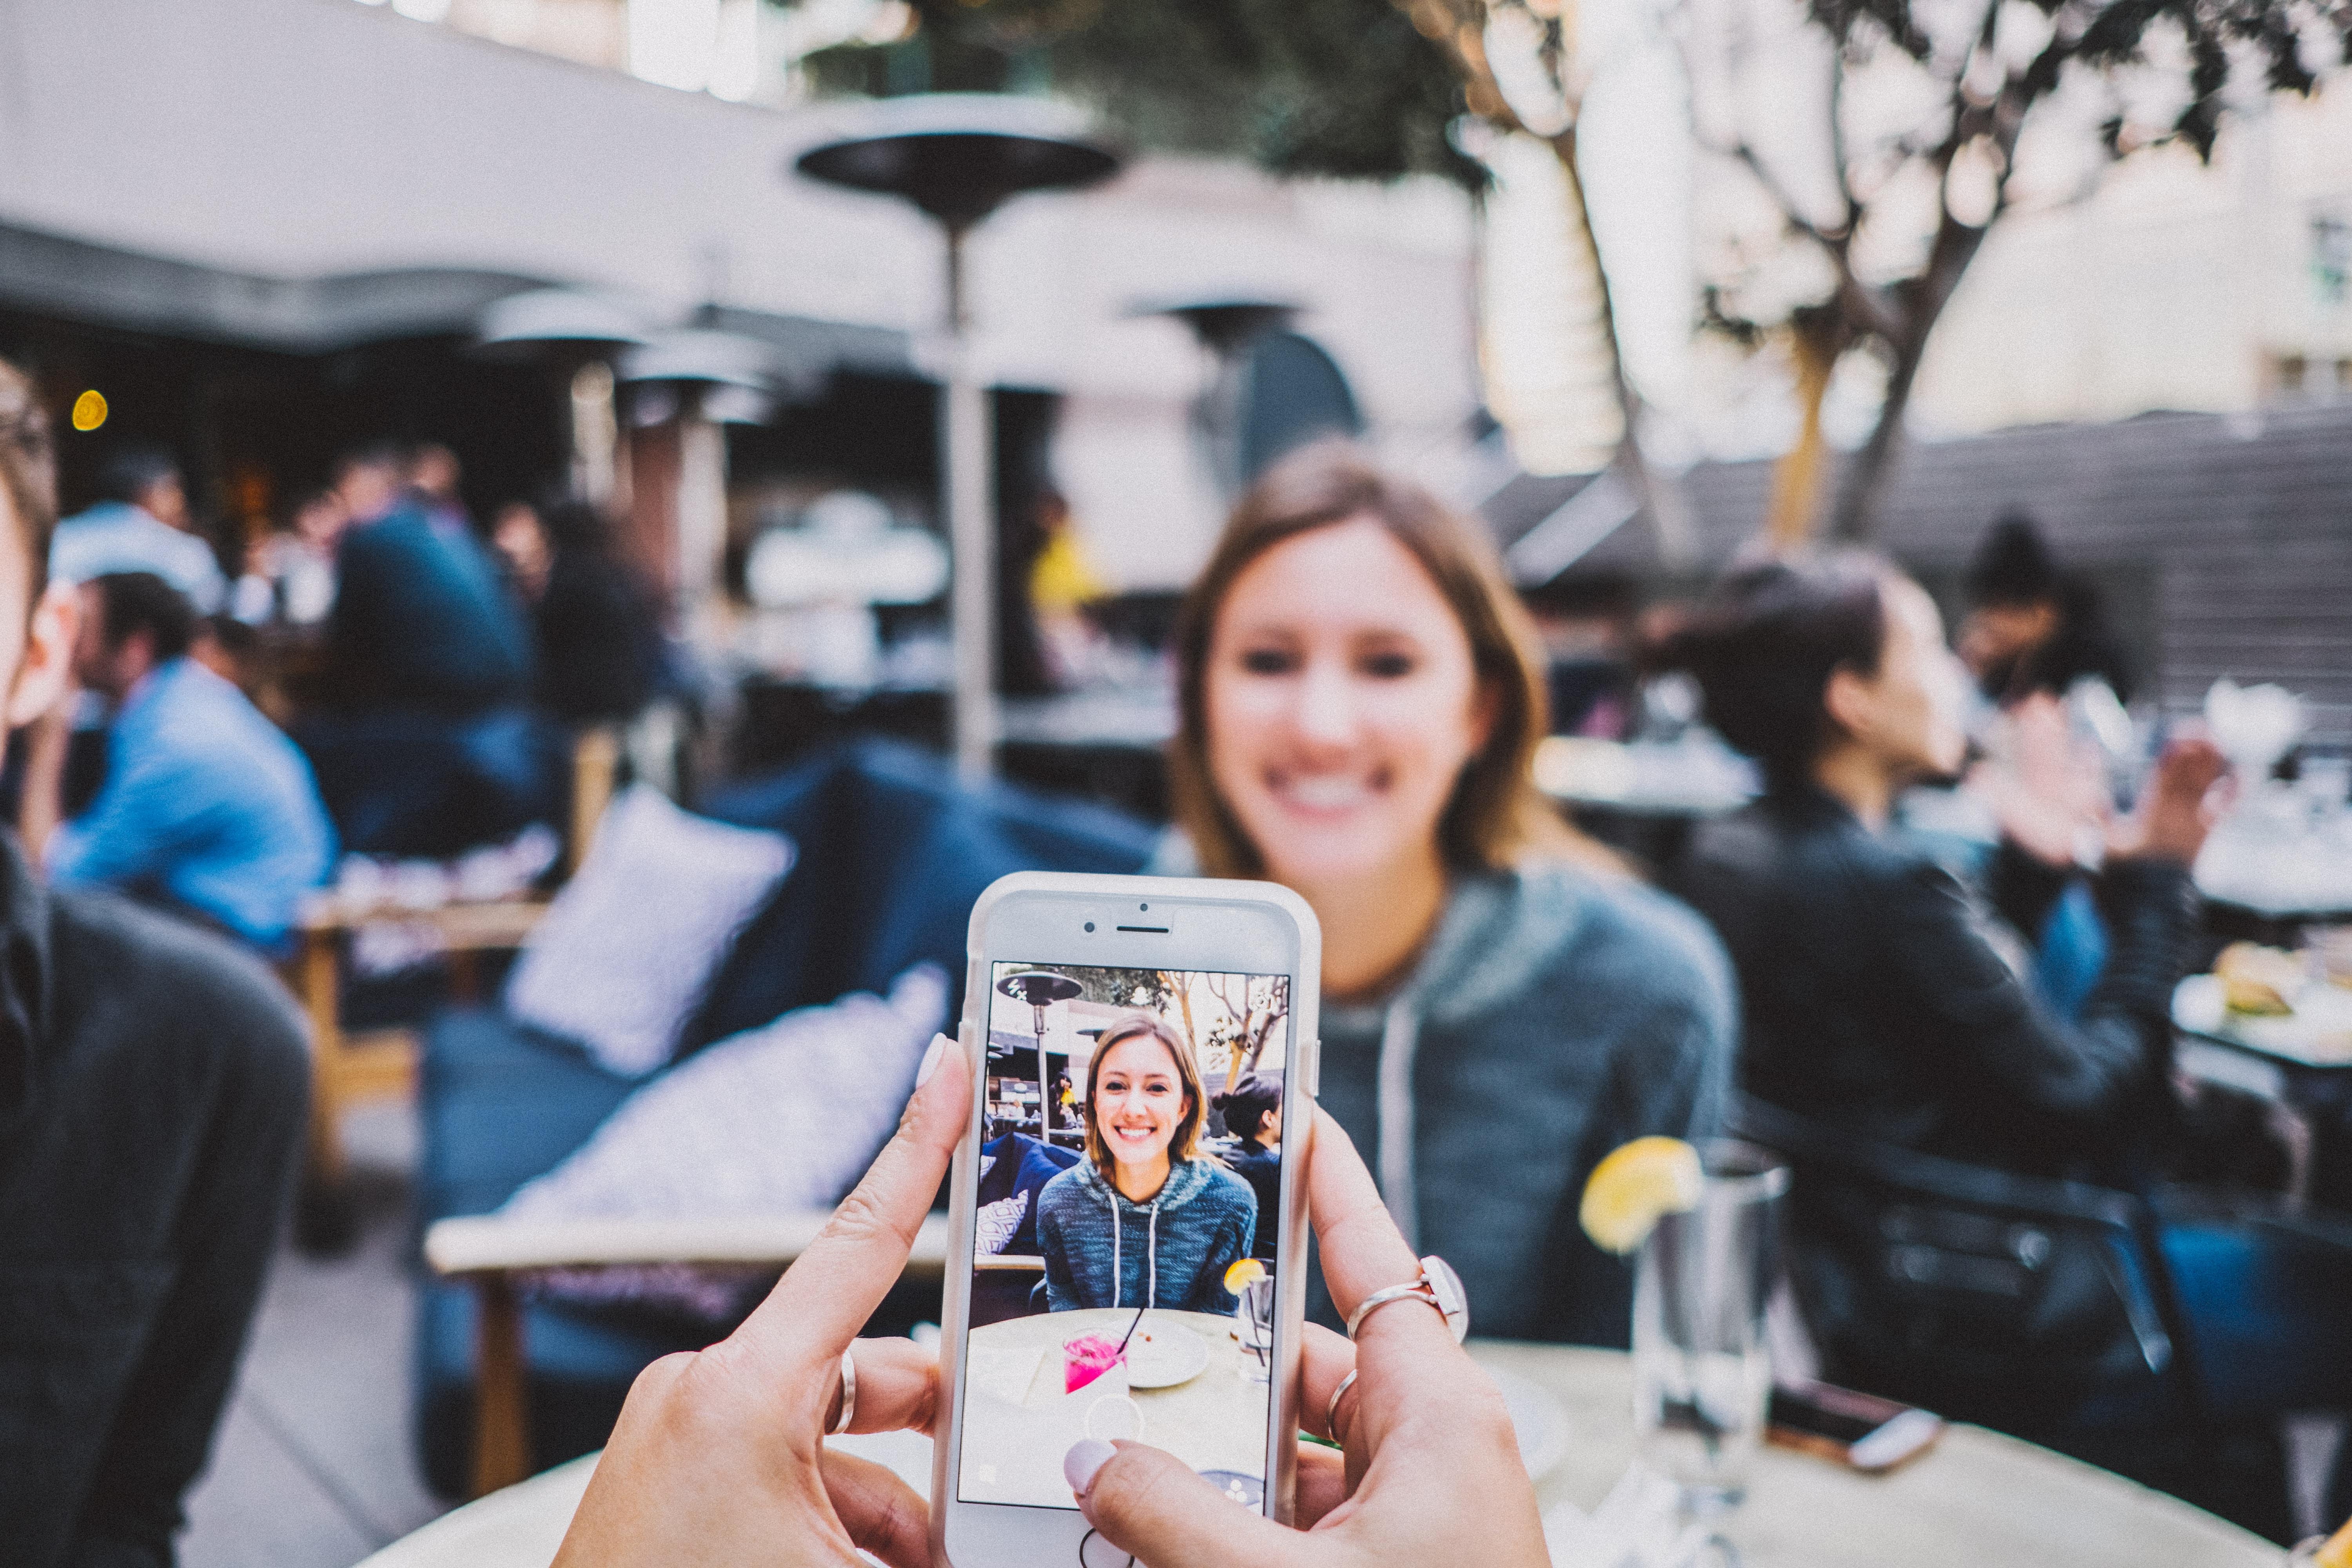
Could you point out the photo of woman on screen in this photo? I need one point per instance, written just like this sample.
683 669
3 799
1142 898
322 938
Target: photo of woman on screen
1146 1218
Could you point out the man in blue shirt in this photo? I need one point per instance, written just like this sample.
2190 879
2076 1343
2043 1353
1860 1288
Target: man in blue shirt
207 805
427 747
141 525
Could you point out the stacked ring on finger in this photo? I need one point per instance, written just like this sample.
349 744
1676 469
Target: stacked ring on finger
848 1395
1331 1411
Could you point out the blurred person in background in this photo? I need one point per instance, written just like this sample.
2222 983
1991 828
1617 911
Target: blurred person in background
207 809
434 478
2036 640
140 525
1253 1111
429 749
152 1092
1886 1002
597 623
2033 626
290 574
1360 695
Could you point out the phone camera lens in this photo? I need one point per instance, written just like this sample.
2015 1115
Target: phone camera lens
1145 907
1090 925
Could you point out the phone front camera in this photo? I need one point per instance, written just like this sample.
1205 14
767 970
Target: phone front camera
1144 906
1090 925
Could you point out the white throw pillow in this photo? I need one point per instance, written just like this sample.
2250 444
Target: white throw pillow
632 941
779 1118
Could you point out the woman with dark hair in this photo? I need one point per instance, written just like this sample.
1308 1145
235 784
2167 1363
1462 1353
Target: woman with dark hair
1360 698
1146 1219
1253 1111
1878 993
1887 1002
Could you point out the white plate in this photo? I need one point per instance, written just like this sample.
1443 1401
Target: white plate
1537 1419
1162 1355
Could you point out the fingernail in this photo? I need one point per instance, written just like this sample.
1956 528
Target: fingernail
1086 1458
932 1060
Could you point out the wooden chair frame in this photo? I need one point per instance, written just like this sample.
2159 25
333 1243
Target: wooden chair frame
347 1068
500 1258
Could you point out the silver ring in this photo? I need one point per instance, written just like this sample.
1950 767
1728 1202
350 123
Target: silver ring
848 1395
1331 1411
1438 1285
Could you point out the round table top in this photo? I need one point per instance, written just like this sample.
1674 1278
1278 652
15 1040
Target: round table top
1213 1420
1975 1497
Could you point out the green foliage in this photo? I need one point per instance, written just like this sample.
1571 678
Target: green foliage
1337 87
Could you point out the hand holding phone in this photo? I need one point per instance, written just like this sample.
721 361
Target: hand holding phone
718 1457
1451 1487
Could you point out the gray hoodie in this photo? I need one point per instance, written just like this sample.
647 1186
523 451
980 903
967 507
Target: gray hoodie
1102 1250
1554 1015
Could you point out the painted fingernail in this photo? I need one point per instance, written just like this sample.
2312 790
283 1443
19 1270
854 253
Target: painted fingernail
1086 1457
932 1060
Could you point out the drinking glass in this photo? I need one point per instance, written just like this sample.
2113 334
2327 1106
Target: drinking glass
1701 1371
1256 1313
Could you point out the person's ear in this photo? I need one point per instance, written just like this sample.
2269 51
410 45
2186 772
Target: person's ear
1850 702
46 671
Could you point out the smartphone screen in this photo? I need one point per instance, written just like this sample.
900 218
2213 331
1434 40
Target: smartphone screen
1127 1203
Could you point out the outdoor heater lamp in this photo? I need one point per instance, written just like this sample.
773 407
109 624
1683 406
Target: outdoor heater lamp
1040 988
959 157
721 378
578 332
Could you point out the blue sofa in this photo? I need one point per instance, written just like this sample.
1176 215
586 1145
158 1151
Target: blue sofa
892 853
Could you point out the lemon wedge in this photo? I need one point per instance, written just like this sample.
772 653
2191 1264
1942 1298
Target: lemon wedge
1634 1186
1245 1271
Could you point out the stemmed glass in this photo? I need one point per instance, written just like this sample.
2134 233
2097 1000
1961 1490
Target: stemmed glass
1256 1315
1701 1370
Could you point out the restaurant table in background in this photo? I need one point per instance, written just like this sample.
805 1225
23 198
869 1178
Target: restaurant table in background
1975 1497
2300 1065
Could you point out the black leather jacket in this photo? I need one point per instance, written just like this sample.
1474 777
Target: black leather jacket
1883 995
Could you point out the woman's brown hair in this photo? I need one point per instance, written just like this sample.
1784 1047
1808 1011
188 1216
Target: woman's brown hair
1184 1143
1495 816
28 474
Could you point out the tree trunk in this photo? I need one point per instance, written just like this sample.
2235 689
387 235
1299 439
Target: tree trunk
1668 516
1815 345
1862 488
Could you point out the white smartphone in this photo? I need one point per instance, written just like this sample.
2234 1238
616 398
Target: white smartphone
1131 1261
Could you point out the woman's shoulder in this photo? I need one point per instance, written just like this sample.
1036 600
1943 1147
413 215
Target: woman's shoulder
1067 1186
1229 1186
1579 925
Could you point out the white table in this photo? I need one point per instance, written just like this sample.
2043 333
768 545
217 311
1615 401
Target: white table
1977 1499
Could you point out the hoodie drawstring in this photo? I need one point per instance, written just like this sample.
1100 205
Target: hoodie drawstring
1399 1035
1151 1255
1118 1278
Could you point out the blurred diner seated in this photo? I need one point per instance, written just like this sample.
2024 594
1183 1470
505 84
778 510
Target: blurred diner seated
1892 1005
207 810
1360 698
142 524
425 746
596 623
152 1083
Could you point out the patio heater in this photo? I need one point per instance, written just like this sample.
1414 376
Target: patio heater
959 157
1225 327
578 333
1040 988
706 380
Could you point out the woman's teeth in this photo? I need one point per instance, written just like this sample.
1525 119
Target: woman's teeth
1327 795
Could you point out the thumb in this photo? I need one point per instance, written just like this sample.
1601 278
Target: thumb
1147 1501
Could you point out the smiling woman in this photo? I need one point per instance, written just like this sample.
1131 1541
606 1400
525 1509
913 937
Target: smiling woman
1360 697
1145 1175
